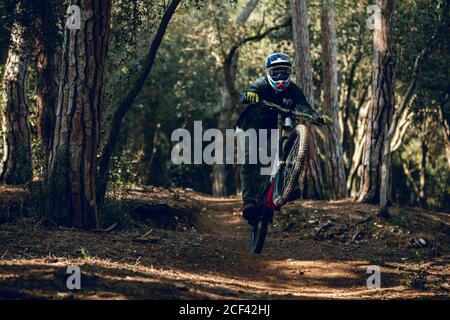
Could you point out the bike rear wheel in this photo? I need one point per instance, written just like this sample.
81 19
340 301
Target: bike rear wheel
292 163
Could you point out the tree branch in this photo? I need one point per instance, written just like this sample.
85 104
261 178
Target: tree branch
128 101
423 55
255 38
246 12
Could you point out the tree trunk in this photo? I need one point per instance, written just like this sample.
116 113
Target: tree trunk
348 132
359 138
446 132
334 153
423 171
387 148
380 111
424 129
150 147
125 105
46 84
399 114
73 159
16 164
246 12
229 100
312 186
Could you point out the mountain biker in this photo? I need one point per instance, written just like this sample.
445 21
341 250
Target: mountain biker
276 87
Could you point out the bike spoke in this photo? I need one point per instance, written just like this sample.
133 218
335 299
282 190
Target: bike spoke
291 160
289 165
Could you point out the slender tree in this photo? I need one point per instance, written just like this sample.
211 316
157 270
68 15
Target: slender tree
113 136
229 97
73 159
45 36
445 123
312 177
424 146
394 130
381 108
334 152
16 164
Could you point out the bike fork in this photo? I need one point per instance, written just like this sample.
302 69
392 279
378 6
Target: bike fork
269 198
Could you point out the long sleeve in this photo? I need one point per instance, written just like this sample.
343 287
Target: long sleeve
301 102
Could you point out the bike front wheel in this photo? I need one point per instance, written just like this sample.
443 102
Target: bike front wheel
292 163
258 235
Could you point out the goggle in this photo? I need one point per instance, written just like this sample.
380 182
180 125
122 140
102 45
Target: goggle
279 74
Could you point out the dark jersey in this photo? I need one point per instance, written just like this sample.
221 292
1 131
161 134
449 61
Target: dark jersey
258 116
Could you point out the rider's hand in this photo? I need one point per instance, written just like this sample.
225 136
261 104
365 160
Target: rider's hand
250 97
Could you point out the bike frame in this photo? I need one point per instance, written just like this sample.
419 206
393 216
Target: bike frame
276 167
265 200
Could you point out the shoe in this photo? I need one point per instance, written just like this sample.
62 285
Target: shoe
249 211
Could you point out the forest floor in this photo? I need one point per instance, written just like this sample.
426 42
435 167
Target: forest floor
178 244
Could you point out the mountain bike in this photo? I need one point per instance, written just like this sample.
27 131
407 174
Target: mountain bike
293 148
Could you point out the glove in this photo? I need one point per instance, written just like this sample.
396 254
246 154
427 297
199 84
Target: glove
326 119
250 97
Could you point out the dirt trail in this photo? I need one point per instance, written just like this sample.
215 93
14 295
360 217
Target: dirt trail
207 256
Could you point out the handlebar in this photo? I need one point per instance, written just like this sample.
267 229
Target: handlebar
288 111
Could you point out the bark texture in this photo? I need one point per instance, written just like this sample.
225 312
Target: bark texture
423 165
46 83
73 159
312 185
229 102
380 110
335 169
446 132
16 164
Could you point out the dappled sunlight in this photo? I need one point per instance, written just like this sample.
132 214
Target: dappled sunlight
320 275
106 279
224 149
210 199
212 260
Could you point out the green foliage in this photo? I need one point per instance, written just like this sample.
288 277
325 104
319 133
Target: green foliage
84 253
186 82
38 205
112 211
122 174
193 176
